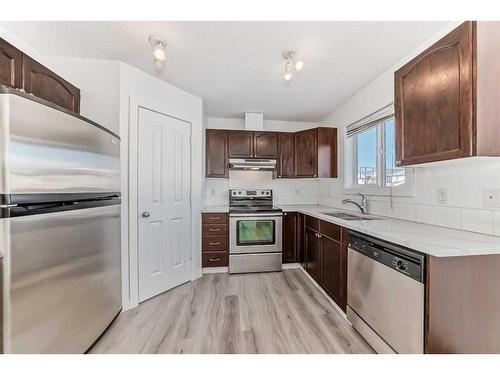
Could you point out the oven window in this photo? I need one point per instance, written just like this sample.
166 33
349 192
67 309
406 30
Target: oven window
255 232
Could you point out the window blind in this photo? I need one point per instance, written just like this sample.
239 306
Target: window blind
371 120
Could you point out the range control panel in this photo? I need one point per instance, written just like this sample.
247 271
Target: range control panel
251 193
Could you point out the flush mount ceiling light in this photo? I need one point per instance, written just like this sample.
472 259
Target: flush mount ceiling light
292 64
159 54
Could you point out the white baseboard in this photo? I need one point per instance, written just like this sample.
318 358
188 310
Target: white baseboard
290 266
325 294
216 270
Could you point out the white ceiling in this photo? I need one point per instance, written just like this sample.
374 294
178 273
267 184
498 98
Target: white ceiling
237 66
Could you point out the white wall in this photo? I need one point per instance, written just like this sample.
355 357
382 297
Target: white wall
465 180
269 125
286 191
140 89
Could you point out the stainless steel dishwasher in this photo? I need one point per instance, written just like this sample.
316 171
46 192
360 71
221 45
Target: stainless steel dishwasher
385 294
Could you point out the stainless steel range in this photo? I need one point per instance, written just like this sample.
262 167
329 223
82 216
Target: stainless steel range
255 229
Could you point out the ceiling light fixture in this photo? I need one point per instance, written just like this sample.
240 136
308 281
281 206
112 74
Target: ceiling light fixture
159 53
292 64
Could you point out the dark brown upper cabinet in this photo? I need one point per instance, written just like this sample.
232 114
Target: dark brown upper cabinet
265 145
306 153
316 153
285 155
446 98
10 65
20 71
240 144
216 161
327 152
44 83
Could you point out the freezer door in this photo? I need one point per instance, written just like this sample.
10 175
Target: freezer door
46 150
62 284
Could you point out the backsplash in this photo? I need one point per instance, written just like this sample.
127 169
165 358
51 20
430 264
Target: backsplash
465 182
285 191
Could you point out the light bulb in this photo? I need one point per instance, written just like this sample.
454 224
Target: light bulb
287 76
299 65
159 53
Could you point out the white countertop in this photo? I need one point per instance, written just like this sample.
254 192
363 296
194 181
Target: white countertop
207 209
428 239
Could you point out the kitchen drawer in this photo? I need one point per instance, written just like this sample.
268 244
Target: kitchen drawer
330 230
215 259
214 243
312 223
214 218
212 229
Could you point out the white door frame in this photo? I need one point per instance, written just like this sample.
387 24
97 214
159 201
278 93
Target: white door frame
133 218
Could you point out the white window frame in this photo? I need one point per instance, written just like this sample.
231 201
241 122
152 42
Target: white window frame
407 189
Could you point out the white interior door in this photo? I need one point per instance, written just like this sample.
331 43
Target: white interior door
164 187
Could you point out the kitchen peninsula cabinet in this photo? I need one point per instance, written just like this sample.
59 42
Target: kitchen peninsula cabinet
446 98
20 71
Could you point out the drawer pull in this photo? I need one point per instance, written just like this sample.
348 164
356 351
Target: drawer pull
213 259
214 243
214 218
214 230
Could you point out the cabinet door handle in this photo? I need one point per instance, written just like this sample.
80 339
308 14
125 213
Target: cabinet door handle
213 230
214 243
213 259
214 218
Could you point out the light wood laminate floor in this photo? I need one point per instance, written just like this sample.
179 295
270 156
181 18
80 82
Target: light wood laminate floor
281 312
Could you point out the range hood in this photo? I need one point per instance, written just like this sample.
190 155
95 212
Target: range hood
252 164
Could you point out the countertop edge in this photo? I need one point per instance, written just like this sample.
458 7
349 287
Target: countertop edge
409 244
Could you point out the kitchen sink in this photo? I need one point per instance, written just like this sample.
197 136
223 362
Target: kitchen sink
349 217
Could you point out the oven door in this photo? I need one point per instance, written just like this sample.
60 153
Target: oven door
255 233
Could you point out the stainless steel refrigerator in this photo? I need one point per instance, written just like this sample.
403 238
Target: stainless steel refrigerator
60 271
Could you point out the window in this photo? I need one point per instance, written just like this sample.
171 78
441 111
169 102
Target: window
370 154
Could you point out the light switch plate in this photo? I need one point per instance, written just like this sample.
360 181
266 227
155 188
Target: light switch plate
491 198
442 196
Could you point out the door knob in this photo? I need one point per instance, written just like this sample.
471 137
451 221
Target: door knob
146 214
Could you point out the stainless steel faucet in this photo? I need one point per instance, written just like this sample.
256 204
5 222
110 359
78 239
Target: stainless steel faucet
362 206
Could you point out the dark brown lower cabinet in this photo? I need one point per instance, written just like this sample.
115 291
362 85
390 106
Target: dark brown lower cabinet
463 304
326 259
215 240
301 248
313 250
290 237
332 263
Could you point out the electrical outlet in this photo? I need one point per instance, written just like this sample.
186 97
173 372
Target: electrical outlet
442 196
297 191
491 198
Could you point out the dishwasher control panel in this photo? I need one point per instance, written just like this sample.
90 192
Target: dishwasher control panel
406 261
